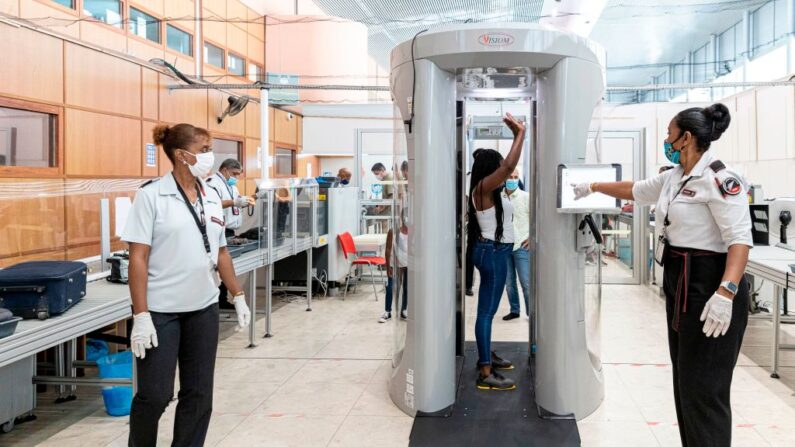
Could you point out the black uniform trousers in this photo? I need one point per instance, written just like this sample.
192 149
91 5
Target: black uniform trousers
189 339
702 366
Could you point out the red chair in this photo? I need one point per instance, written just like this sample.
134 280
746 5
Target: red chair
350 252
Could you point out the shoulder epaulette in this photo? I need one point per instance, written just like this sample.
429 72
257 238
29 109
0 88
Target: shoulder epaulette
717 166
149 182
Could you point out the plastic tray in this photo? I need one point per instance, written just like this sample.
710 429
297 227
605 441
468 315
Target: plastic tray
235 250
9 326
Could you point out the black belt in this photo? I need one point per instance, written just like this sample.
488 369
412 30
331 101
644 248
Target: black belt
684 278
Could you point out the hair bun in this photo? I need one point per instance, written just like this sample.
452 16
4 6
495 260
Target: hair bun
160 133
719 115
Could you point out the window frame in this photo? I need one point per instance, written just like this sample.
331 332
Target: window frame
29 171
123 4
241 148
74 11
186 31
205 60
161 28
261 73
230 53
294 151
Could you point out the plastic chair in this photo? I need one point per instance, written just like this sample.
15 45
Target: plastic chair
350 252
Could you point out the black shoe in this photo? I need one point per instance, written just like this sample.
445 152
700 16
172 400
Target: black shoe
470 292
510 316
495 381
498 362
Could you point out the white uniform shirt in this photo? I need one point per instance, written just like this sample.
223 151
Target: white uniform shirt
703 215
521 215
218 183
181 273
402 249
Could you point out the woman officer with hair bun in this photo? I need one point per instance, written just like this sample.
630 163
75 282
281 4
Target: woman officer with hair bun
705 240
177 251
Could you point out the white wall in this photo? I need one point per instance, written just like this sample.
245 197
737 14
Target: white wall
337 136
334 164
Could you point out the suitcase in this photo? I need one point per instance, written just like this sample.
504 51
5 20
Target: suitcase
40 289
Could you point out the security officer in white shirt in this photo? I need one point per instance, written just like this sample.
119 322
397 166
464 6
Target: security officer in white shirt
177 250
224 182
705 243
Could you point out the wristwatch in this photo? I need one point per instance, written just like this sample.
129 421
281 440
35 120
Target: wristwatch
730 286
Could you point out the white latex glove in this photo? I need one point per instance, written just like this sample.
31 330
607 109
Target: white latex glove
241 202
582 190
243 312
143 335
718 316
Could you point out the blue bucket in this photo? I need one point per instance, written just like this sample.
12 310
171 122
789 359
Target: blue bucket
118 399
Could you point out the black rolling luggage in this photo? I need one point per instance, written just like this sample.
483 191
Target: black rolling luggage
40 289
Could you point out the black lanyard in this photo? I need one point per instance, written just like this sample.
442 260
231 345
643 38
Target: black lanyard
200 222
667 222
228 188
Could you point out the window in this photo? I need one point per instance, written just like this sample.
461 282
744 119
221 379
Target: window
179 40
27 138
284 162
68 3
224 149
254 72
108 11
145 26
237 65
213 55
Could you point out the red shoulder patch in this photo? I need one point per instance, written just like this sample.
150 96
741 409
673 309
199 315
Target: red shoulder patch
218 221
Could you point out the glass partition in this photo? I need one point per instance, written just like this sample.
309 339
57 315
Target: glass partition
57 219
305 200
264 212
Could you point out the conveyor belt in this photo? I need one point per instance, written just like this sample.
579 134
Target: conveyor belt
105 303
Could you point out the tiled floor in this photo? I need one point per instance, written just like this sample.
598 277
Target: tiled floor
321 380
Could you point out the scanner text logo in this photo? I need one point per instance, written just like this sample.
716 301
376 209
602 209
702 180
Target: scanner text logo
496 39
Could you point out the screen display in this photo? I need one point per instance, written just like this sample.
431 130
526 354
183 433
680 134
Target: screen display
570 175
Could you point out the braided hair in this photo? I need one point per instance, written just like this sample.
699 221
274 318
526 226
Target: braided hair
486 162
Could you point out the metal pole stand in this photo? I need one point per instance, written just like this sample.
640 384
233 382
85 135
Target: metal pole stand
252 293
309 280
268 300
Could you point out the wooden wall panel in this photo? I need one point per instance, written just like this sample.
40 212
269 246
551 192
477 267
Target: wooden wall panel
271 123
60 17
146 138
216 6
256 25
186 65
164 165
303 162
102 82
217 103
38 54
143 50
250 165
103 35
10 7
252 120
102 145
236 10
256 49
188 106
236 40
149 93
152 6
285 128
83 225
180 8
215 75
31 218
214 29
299 131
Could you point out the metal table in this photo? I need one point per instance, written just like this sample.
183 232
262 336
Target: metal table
772 264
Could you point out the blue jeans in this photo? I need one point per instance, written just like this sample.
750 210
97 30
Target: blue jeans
491 260
519 263
403 281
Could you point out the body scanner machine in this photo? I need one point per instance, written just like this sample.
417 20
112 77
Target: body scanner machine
561 78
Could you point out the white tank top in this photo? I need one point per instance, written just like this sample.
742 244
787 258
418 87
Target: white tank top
487 220
402 249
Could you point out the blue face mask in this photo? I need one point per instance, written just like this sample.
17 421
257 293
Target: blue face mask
231 181
670 153
344 182
511 184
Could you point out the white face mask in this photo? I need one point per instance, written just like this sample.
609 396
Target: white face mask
204 163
